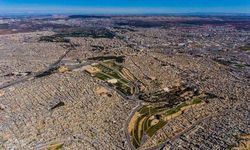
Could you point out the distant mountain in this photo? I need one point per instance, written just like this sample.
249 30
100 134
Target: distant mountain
88 16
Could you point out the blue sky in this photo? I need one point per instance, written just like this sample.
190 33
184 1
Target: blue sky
124 6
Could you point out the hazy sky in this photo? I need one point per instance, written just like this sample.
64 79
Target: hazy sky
124 6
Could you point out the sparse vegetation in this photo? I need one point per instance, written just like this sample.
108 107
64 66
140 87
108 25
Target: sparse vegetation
109 69
61 36
240 66
246 47
57 146
151 131
196 101
54 38
4 26
146 83
150 113
119 59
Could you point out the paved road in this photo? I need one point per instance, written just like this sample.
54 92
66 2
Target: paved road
189 129
163 144
178 135
52 66
126 125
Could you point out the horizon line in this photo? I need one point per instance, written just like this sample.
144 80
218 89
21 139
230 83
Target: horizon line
120 10
128 14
